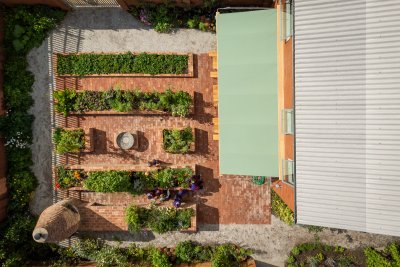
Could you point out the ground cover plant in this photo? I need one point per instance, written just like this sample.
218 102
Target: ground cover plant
177 103
128 63
124 181
157 219
106 256
280 209
69 141
318 254
25 28
389 257
178 141
164 17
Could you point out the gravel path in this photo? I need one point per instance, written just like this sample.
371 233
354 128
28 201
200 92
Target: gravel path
112 30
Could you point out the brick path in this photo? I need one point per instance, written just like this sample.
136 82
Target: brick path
226 199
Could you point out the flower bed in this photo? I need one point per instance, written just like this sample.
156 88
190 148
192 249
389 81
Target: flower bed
177 103
124 181
158 219
179 141
280 209
125 64
69 140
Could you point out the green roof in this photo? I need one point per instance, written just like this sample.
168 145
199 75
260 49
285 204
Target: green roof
248 89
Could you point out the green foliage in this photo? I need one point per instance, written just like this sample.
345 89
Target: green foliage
178 141
177 103
186 251
281 210
291 259
111 257
376 259
69 178
393 249
69 141
229 255
89 64
158 219
159 259
164 17
108 181
26 27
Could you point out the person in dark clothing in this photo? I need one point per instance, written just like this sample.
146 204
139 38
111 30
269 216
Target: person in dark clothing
154 163
196 183
178 198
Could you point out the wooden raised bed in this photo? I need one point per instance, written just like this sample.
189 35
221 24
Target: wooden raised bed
190 71
192 148
89 138
133 112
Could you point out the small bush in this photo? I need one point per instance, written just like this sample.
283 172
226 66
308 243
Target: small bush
375 259
178 141
89 64
159 259
69 141
186 251
229 256
281 210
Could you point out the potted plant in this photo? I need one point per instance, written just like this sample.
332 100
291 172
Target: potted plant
179 141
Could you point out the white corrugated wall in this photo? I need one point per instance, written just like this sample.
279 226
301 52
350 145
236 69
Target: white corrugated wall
347 99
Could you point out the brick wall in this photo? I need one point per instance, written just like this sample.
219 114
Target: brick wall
53 3
3 186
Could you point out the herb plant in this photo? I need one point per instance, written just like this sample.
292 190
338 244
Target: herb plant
69 141
178 141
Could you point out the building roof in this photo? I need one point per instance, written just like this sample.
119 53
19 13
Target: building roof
347 100
247 85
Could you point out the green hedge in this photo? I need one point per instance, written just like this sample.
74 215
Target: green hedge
26 27
124 181
389 257
88 64
280 209
176 103
158 219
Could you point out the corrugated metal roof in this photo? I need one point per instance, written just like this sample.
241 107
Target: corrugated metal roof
347 99
248 93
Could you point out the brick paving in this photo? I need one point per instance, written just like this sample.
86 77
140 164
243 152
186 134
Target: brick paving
226 199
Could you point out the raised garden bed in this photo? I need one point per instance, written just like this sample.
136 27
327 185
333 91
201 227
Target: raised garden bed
179 140
73 140
123 65
161 219
116 102
135 182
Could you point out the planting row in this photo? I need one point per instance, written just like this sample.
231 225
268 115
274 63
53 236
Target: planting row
124 181
124 64
186 252
176 103
74 140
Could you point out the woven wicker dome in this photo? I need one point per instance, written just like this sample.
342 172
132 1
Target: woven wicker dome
57 222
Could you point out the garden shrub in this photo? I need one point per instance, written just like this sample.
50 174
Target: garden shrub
158 219
159 259
108 181
111 257
393 249
69 141
178 141
186 251
229 255
25 28
281 210
375 259
176 103
128 63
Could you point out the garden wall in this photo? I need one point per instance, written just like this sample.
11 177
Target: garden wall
53 3
3 186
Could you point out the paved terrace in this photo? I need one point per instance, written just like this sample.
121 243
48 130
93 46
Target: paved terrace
226 199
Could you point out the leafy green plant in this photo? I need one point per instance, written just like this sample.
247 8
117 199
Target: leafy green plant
69 178
108 181
69 141
176 103
229 255
128 63
158 219
178 141
393 249
111 257
375 259
281 210
186 251
159 259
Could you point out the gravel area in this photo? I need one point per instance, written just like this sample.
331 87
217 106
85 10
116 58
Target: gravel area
113 30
